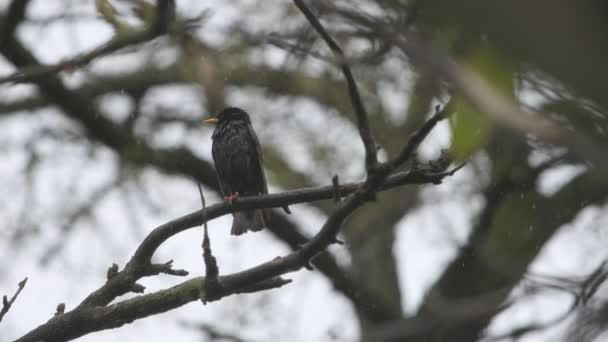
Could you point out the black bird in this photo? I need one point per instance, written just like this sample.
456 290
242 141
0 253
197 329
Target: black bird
238 162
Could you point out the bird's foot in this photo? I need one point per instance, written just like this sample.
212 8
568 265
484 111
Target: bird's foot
232 197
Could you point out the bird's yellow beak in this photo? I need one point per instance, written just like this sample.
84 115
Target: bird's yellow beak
210 120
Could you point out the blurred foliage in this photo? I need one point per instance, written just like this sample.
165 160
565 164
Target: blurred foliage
472 128
111 16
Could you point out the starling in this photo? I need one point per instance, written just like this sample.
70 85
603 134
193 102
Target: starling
238 162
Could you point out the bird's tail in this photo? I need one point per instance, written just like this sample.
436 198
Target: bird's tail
253 220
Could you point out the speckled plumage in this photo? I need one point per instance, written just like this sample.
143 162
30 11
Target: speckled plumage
238 162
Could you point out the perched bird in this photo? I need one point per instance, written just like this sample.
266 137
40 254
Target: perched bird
238 162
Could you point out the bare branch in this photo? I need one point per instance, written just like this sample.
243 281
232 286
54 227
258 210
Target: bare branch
417 137
371 160
121 283
211 268
276 200
212 271
593 282
166 268
93 314
61 327
581 292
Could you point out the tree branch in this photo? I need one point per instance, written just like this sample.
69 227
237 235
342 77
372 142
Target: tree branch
371 160
93 314
417 137
121 283
479 91
181 161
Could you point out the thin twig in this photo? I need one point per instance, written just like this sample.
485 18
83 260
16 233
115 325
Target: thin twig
7 303
371 159
581 291
211 268
417 137
212 271
593 282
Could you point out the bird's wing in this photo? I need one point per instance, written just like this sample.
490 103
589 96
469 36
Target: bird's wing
258 160
219 167
260 167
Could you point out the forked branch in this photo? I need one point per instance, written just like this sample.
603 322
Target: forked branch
94 313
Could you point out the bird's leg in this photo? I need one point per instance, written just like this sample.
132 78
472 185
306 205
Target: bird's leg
230 198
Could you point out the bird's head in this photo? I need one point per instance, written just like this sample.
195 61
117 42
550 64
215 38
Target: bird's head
230 115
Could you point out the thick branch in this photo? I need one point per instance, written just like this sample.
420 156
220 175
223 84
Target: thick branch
82 321
77 323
